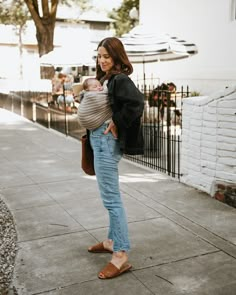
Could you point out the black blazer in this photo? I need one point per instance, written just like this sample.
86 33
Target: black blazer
127 104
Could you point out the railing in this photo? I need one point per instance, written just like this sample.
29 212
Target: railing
38 107
162 130
161 124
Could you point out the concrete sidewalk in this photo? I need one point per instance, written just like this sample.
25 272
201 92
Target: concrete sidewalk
183 241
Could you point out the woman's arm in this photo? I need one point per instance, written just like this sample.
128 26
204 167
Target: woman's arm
127 100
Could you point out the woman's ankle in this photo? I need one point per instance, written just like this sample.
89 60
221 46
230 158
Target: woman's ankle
119 258
120 255
108 244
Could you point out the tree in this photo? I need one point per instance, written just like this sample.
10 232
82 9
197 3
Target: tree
44 17
15 14
42 12
124 22
44 21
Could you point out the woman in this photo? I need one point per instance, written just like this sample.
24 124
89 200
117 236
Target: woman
121 133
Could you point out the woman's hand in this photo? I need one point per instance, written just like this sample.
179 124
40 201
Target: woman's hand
112 127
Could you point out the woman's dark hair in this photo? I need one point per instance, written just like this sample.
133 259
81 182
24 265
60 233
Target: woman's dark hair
115 49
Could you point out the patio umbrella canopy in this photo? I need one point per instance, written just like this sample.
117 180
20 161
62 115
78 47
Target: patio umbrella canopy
69 56
144 46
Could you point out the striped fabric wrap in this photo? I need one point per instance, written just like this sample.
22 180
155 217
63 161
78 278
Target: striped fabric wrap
94 109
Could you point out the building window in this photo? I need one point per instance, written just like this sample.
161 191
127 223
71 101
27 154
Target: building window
233 10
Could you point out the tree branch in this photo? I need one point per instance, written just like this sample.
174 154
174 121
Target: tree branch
35 15
45 8
36 6
54 4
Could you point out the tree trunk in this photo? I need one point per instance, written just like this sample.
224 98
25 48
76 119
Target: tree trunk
20 45
45 23
45 38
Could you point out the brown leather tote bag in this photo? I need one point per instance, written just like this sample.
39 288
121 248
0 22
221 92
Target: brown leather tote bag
87 161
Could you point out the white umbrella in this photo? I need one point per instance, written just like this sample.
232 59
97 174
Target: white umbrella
143 45
69 56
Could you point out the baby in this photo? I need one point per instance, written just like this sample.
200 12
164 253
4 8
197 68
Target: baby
92 84
94 97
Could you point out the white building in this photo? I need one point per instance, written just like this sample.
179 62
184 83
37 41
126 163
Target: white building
211 25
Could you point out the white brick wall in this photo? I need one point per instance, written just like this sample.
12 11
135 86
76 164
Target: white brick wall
209 140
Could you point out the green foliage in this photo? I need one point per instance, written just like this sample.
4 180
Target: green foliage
123 22
84 5
195 93
14 12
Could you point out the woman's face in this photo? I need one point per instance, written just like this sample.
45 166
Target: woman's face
104 60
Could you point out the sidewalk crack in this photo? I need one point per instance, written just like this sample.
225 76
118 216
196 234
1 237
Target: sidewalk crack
164 279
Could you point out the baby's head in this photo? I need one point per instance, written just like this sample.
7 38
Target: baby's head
92 84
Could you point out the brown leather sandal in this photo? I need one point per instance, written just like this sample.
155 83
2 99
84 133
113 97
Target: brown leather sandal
111 271
99 248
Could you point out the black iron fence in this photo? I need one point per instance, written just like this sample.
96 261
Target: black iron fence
39 107
161 122
162 129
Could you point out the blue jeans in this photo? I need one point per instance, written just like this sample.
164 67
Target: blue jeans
107 155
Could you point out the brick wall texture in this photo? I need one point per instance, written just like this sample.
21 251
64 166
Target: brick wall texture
208 152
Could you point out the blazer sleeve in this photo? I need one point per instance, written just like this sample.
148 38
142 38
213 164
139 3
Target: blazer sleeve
128 101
